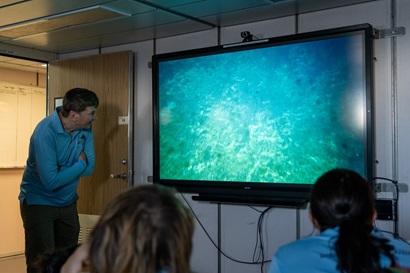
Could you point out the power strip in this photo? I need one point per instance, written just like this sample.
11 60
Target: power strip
386 209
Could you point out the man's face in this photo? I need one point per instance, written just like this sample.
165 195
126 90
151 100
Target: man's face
86 117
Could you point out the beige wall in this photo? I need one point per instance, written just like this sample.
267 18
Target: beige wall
23 77
11 227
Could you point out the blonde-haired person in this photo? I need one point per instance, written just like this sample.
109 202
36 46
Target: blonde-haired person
146 229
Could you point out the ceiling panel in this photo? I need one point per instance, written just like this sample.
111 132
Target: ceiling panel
105 29
82 17
212 7
129 6
125 37
135 20
31 10
4 3
228 13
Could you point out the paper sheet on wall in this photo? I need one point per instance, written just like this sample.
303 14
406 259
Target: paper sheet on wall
21 108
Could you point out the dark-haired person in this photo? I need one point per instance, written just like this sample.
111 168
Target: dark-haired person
61 151
145 229
342 208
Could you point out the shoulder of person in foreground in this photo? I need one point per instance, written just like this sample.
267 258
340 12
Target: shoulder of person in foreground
401 248
77 260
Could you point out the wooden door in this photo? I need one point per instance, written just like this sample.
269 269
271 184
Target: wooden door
110 77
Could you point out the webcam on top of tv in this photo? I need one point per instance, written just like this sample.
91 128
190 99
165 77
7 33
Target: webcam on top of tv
247 36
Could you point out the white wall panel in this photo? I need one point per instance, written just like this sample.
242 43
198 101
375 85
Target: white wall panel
374 13
239 235
189 41
403 98
204 255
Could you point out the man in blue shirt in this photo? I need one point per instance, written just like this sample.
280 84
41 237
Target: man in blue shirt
61 151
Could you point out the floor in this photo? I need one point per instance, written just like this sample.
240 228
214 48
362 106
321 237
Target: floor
13 264
17 264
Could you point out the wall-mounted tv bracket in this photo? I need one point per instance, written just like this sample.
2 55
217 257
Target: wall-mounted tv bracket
391 187
389 33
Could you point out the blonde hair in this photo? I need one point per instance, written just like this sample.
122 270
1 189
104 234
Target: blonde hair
143 230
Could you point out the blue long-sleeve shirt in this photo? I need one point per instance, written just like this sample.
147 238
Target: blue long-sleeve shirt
316 254
53 167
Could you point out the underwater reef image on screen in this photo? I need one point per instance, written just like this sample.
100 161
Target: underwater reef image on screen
282 114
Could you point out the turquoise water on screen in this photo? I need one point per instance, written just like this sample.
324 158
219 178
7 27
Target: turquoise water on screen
284 114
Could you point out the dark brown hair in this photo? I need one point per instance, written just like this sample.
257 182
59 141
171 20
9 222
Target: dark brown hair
342 198
77 99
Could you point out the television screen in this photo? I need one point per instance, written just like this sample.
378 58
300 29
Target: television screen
260 121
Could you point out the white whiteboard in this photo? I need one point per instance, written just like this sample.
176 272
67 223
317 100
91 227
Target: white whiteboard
21 108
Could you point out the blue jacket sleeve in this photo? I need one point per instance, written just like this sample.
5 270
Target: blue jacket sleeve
59 165
90 153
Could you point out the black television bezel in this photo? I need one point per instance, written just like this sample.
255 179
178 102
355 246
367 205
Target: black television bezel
266 194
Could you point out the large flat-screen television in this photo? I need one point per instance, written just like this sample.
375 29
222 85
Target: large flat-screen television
258 122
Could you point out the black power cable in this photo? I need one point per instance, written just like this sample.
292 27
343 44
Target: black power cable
259 252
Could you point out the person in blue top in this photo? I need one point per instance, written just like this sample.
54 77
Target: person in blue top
343 209
61 151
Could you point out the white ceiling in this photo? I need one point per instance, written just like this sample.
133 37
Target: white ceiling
54 25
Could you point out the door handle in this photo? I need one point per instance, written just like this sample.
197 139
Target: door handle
121 175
